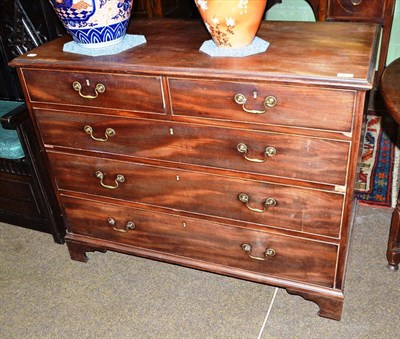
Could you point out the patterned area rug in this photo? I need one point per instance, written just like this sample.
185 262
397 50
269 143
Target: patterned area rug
378 173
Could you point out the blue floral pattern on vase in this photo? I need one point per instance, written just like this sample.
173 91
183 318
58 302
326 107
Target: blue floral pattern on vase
94 23
75 17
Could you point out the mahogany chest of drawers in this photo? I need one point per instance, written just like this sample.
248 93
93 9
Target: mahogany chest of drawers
239 166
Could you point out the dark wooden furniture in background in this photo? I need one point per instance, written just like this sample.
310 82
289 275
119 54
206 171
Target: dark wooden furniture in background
19 33
374 11
164 8
26 196
390 90
189 172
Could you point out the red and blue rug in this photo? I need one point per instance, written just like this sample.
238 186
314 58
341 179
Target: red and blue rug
378 172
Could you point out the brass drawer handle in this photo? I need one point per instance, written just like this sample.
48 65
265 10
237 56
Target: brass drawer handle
108 133
128 227
269 152
100 88
269 202
118 179
269 101
269 252
356 2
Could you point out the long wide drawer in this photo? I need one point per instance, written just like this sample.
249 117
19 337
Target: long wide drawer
283 155
298 106
258 202
99 90
281 256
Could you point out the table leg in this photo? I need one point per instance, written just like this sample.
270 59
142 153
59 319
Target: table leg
393 249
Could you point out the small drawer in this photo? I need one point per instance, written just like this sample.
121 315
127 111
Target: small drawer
296 106
290 156
361 10
267 204
99 90
280 256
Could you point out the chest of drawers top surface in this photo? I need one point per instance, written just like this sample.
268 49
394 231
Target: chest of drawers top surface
335 53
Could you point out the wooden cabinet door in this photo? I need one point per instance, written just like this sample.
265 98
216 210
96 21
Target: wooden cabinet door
164 8
140 9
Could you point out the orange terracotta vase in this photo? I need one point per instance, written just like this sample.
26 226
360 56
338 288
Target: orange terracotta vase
232 23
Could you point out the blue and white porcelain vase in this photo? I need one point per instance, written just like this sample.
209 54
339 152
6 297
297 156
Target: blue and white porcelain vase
94 23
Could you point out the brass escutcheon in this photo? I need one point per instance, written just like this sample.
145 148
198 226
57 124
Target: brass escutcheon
269 202
269 152
100 88
128 227
269 101
356 2
269 252
118 179
108 133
